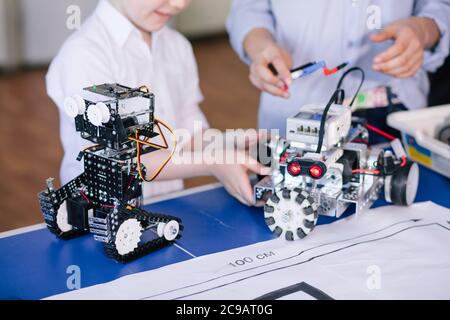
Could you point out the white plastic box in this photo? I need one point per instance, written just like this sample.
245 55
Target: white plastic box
418 128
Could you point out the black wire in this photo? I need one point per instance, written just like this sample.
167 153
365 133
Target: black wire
336 95
346 73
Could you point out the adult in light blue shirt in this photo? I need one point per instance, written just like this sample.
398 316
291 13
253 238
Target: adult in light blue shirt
395 42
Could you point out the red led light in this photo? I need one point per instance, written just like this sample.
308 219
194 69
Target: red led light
294 169
316 171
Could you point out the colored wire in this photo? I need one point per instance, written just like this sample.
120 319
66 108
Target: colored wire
85 197
346 73
129 183
329 72
334 97
138 154
403 163
373 172
380 132
156 146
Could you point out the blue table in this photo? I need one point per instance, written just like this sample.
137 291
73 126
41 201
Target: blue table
33 264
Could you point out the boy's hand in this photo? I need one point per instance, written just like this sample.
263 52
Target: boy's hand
235 177
263 50
411 37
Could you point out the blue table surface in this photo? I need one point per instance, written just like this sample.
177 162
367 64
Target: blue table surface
33 265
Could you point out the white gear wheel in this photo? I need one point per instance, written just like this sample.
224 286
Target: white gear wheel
74 106
160 229
290 219
62 220
98 114
171 230
128 236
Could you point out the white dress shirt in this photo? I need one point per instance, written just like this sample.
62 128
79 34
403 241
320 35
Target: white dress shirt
110 49
337 32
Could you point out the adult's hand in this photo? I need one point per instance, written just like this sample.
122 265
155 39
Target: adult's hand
412 36
264 51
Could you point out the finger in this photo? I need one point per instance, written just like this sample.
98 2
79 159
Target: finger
398 62
401 69
234 193
246 191
256 81
242 199
283 70
394 51
274 90
268 77
261 85
259 204
410 69
388 33
257 167
404 62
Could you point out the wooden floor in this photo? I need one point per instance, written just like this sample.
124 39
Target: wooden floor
29 139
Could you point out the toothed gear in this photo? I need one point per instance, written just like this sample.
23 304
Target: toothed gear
291 214
128 236
147 220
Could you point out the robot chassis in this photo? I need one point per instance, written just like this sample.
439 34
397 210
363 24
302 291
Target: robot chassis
307 182
106 199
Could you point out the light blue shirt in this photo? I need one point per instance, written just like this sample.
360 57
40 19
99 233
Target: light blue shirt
335 31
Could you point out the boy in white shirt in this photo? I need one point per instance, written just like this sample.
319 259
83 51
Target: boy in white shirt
128 42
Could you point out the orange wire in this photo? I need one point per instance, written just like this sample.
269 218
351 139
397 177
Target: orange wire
154 145
138 153
366 171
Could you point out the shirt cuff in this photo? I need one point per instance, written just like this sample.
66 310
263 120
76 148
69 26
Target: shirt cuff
436 56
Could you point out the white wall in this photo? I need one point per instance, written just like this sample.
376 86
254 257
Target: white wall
203 17
44 27
3 37
43 24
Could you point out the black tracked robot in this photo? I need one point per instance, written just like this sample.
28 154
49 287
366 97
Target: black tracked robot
106 199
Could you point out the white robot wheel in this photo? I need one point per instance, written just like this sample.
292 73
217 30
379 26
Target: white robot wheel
160 229
291 214
402 186
98 114
128 236
169 230
62 219
74 106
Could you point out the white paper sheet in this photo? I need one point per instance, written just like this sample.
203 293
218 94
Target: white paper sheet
387 253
